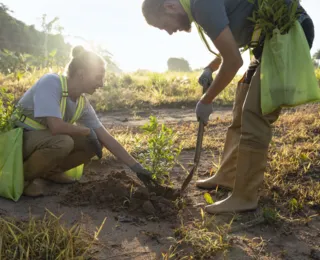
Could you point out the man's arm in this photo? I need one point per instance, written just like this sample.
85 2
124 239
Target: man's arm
231 63
215 64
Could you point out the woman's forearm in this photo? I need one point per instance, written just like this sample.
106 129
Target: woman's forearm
115 147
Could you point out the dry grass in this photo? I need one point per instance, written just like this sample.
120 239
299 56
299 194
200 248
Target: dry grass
44 239
200 239
292 178
135 90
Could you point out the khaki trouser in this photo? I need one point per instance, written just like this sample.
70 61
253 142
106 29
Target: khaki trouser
249 127
45 154
255 127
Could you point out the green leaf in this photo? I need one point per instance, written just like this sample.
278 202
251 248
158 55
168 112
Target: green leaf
208 198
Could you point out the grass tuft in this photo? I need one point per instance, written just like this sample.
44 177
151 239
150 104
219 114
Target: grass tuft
44 239
200 239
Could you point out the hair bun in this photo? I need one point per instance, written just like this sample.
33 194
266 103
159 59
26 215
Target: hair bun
76 51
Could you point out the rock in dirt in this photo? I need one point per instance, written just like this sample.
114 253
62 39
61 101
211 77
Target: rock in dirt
148 207
130 219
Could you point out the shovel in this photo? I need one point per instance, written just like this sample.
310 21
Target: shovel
196 157
198 148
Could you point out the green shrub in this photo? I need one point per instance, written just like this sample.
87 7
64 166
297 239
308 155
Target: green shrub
161 153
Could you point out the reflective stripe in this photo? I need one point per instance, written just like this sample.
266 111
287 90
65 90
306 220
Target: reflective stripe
79 110
254 39
63 102
200 31
26 121
34 124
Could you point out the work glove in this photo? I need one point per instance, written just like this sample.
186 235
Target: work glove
95 143
205 79
144 175
203 112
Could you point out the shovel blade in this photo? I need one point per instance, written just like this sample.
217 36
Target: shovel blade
188 179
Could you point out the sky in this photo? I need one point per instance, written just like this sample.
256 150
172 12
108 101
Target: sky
120 27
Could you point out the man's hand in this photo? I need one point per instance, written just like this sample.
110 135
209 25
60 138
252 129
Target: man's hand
206 79
203 111
96 145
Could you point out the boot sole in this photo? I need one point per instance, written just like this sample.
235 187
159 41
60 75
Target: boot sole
236 211
215 187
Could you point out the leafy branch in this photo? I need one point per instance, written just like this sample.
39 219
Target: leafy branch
274 14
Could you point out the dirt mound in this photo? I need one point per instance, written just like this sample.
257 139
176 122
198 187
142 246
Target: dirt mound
120 191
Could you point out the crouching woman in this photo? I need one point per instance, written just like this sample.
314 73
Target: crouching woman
61 129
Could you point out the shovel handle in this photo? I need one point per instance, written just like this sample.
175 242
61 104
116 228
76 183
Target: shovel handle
199 142
196 157
200 135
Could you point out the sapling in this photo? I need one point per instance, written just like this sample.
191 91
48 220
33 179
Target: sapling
161 152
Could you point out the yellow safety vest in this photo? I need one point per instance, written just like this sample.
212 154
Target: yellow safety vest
254 39
63 104
77 171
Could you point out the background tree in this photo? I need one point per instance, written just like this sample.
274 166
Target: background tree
178 64
22 47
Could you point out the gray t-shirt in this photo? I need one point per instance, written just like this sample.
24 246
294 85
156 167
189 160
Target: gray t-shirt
214 15
43 100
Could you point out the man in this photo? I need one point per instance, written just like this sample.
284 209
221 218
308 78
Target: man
245 152
53 145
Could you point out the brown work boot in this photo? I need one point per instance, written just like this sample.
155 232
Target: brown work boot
226 174
250 174
60 178
219 179
33 188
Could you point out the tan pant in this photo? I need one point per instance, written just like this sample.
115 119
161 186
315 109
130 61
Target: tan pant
249 127
45 154
255 128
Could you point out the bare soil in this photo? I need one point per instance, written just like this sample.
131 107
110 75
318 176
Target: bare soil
139 224
120 191
164 115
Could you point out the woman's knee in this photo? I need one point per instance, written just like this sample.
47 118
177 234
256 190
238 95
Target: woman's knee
64 143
